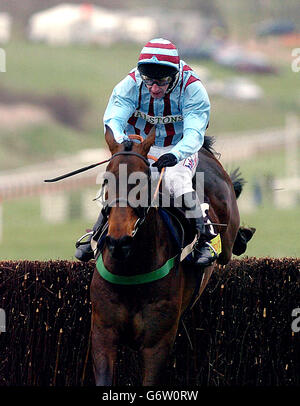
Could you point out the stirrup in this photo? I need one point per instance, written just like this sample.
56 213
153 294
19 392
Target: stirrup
78 242
84 251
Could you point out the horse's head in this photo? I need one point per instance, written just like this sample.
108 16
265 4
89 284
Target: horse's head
127 192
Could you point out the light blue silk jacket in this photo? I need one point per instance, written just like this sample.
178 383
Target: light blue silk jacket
180 117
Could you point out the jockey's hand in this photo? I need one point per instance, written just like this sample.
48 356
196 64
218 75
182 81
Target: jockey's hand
165 160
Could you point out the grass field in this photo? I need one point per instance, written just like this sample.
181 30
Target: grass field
277 232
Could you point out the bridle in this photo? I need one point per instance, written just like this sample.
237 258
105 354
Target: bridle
140 211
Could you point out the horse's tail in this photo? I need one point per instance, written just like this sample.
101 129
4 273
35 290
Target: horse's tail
244 234
238 181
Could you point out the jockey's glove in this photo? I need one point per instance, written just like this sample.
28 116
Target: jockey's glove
165 160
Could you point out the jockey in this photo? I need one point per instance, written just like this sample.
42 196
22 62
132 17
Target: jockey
164 91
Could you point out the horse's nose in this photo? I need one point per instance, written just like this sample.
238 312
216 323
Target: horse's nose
119 248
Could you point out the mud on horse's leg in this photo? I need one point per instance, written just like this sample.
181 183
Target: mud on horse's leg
104 355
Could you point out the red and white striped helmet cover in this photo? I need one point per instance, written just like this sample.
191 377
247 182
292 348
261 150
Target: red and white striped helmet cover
160 51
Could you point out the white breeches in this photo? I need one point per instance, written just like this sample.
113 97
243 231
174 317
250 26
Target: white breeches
178 178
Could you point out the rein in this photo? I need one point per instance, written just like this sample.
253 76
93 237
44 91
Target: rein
86 168
132 137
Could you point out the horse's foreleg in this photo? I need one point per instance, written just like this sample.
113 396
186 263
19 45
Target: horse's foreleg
104 354
155 360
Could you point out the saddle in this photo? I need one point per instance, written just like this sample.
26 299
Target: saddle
181 228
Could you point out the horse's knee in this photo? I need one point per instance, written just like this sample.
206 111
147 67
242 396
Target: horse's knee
243 236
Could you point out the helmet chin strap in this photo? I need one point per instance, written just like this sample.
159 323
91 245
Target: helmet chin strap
173 83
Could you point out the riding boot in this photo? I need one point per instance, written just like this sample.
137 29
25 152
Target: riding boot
84 250
203 253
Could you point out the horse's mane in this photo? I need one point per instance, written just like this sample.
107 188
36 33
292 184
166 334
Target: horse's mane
208 144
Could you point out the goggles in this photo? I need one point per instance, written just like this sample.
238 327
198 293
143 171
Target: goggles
160 82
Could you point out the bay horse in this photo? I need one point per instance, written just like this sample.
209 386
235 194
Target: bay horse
131 304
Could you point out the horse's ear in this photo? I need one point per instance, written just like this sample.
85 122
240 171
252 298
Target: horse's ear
113 145
148 142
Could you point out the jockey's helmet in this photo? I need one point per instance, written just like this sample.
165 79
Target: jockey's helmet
159 57
159 60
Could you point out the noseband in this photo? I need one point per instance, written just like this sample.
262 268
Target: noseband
140 211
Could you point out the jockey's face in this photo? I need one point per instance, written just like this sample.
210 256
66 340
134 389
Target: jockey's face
157 92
